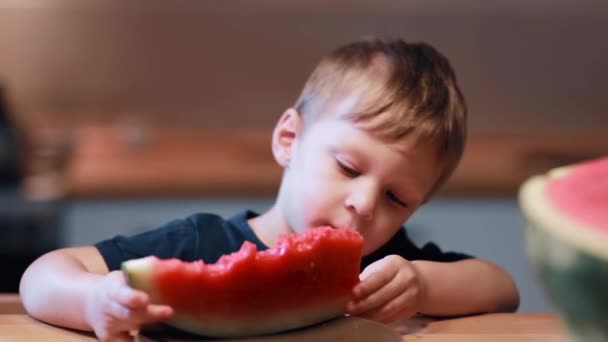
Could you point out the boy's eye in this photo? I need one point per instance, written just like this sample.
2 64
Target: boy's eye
347 170
395 199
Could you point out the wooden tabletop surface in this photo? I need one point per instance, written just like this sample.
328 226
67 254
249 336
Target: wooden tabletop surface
16 325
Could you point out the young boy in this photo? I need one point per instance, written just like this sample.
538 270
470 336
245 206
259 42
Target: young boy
379 126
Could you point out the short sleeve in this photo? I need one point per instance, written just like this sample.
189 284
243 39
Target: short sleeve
402 245
176 239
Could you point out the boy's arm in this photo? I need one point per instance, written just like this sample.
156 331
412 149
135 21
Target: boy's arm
465 287
53 288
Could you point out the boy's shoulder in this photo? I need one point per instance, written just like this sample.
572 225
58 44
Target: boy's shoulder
205 222
197 236
235 229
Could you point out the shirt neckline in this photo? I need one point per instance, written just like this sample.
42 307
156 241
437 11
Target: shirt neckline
240 222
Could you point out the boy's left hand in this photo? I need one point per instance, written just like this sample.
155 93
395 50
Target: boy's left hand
390 288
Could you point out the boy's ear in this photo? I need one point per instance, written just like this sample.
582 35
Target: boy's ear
284 136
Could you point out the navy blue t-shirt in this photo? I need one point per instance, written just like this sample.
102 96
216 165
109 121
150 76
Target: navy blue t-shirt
209 236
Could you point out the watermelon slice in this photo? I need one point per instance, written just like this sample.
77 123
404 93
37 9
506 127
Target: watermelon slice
567 241
304 279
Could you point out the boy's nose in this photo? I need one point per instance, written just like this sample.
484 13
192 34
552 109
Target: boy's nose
363 203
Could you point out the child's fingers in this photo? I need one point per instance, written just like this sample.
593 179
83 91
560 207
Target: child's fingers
365 293
387 291
371 269
127 319
147 314
122 337
374 277
123 314
371 283
129 297
120 291
124 320
394 308
157 313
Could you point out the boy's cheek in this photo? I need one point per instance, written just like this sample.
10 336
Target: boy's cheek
314 208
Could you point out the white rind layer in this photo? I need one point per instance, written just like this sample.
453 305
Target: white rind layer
139 273
539 210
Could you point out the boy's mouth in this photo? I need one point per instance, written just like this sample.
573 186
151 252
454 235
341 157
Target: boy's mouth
332 226
342 226
336 225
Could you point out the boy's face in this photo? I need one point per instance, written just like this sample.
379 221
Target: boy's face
340 175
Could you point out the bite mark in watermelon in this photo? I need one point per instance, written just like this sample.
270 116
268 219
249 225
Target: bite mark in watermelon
304 279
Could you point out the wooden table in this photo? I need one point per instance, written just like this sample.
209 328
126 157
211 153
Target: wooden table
522 327
15 325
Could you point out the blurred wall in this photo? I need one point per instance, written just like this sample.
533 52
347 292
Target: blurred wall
524 66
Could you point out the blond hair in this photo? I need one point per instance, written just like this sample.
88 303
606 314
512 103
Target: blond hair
403 89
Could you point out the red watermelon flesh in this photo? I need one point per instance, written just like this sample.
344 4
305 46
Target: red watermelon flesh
582 193
304 279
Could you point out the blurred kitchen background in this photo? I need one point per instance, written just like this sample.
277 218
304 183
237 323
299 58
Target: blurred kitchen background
117 116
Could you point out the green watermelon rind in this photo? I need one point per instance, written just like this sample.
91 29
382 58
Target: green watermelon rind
574 281
570 259
139 272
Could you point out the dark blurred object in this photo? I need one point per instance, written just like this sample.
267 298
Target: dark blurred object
27 228
10 163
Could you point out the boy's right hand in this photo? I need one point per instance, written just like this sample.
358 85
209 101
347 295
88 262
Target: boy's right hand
114 310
